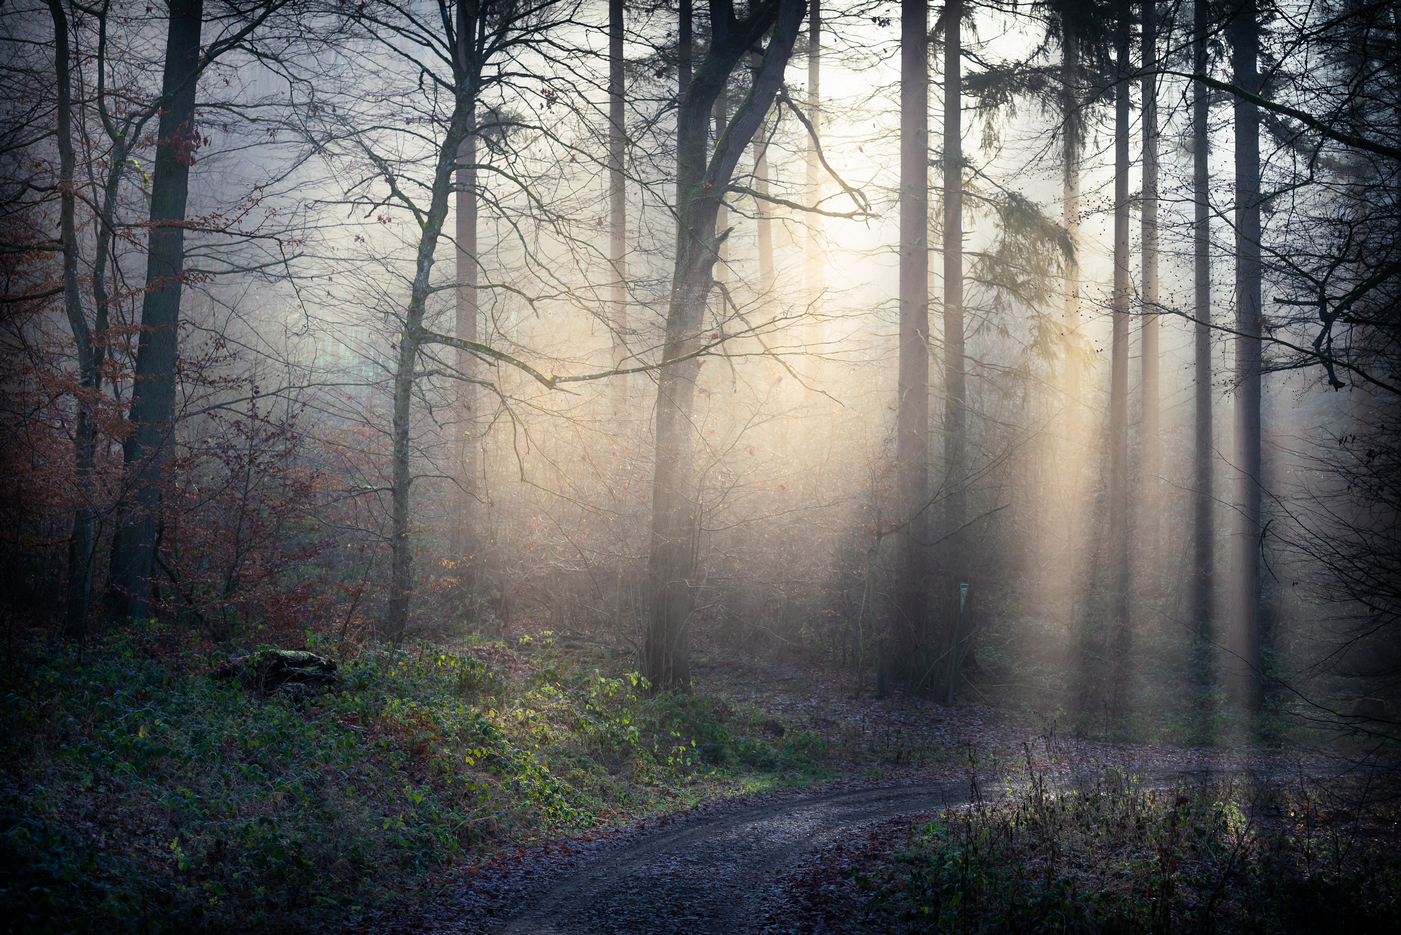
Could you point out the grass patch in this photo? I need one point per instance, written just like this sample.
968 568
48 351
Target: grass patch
139 793
1234 857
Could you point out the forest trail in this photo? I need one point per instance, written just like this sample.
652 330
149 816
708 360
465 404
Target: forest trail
724 875
732 868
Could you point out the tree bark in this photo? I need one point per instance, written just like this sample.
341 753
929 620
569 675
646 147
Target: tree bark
1070 200
908 649
465 533
666 654
153 381
1070 467
1149 432
1203 532
762 224
617 203
955 358
1245 643
1118 544
81 543
700 185
722 213
446 182
812 267
401 549
685 51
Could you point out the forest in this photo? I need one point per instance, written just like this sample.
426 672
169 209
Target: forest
440 437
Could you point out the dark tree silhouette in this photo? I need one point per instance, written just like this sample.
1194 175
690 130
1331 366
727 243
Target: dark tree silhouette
701 181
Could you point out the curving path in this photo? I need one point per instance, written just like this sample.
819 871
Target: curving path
726 873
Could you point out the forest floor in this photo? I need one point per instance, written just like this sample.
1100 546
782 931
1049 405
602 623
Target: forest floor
829 856
507 784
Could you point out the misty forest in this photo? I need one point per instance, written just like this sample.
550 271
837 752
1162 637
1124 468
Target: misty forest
454 449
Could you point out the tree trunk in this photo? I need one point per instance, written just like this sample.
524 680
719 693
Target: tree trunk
617 203
812 266
700 185
153 381
666 655
722 213
685 50
1203 533
1065 579
1245 683
1070 200
1118 544
955 357
763 226
465 532
455 150
410 339
1149 432
904 658
81 543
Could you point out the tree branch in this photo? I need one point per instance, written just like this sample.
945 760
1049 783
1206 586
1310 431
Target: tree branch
1339 136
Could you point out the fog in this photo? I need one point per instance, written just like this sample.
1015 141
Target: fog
530 505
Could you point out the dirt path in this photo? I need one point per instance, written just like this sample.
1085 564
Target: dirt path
729 870
774 864
722 875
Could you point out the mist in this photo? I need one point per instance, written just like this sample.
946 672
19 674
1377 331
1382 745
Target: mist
507 485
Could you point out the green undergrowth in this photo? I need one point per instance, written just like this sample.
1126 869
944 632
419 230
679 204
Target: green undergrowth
1225 858
139 793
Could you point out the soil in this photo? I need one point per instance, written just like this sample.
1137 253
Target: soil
778 863
772 864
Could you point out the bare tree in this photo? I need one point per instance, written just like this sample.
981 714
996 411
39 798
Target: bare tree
466 531
902 658
617 196
153 384
151 412
1203 520
813 259
1118 545
763 225
701 181
1150 433
955 356
452 53
81 545
1244 639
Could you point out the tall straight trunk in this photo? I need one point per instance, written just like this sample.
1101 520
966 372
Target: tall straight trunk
1070 195
465 531
955 374
955 366
1118 545
666 653
152 411
456 155
904 657
763 226
722 213
81 543
1150 430
1245 683
685 50
700 184
1065 580
410 340
617 200
1203 538
812 266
